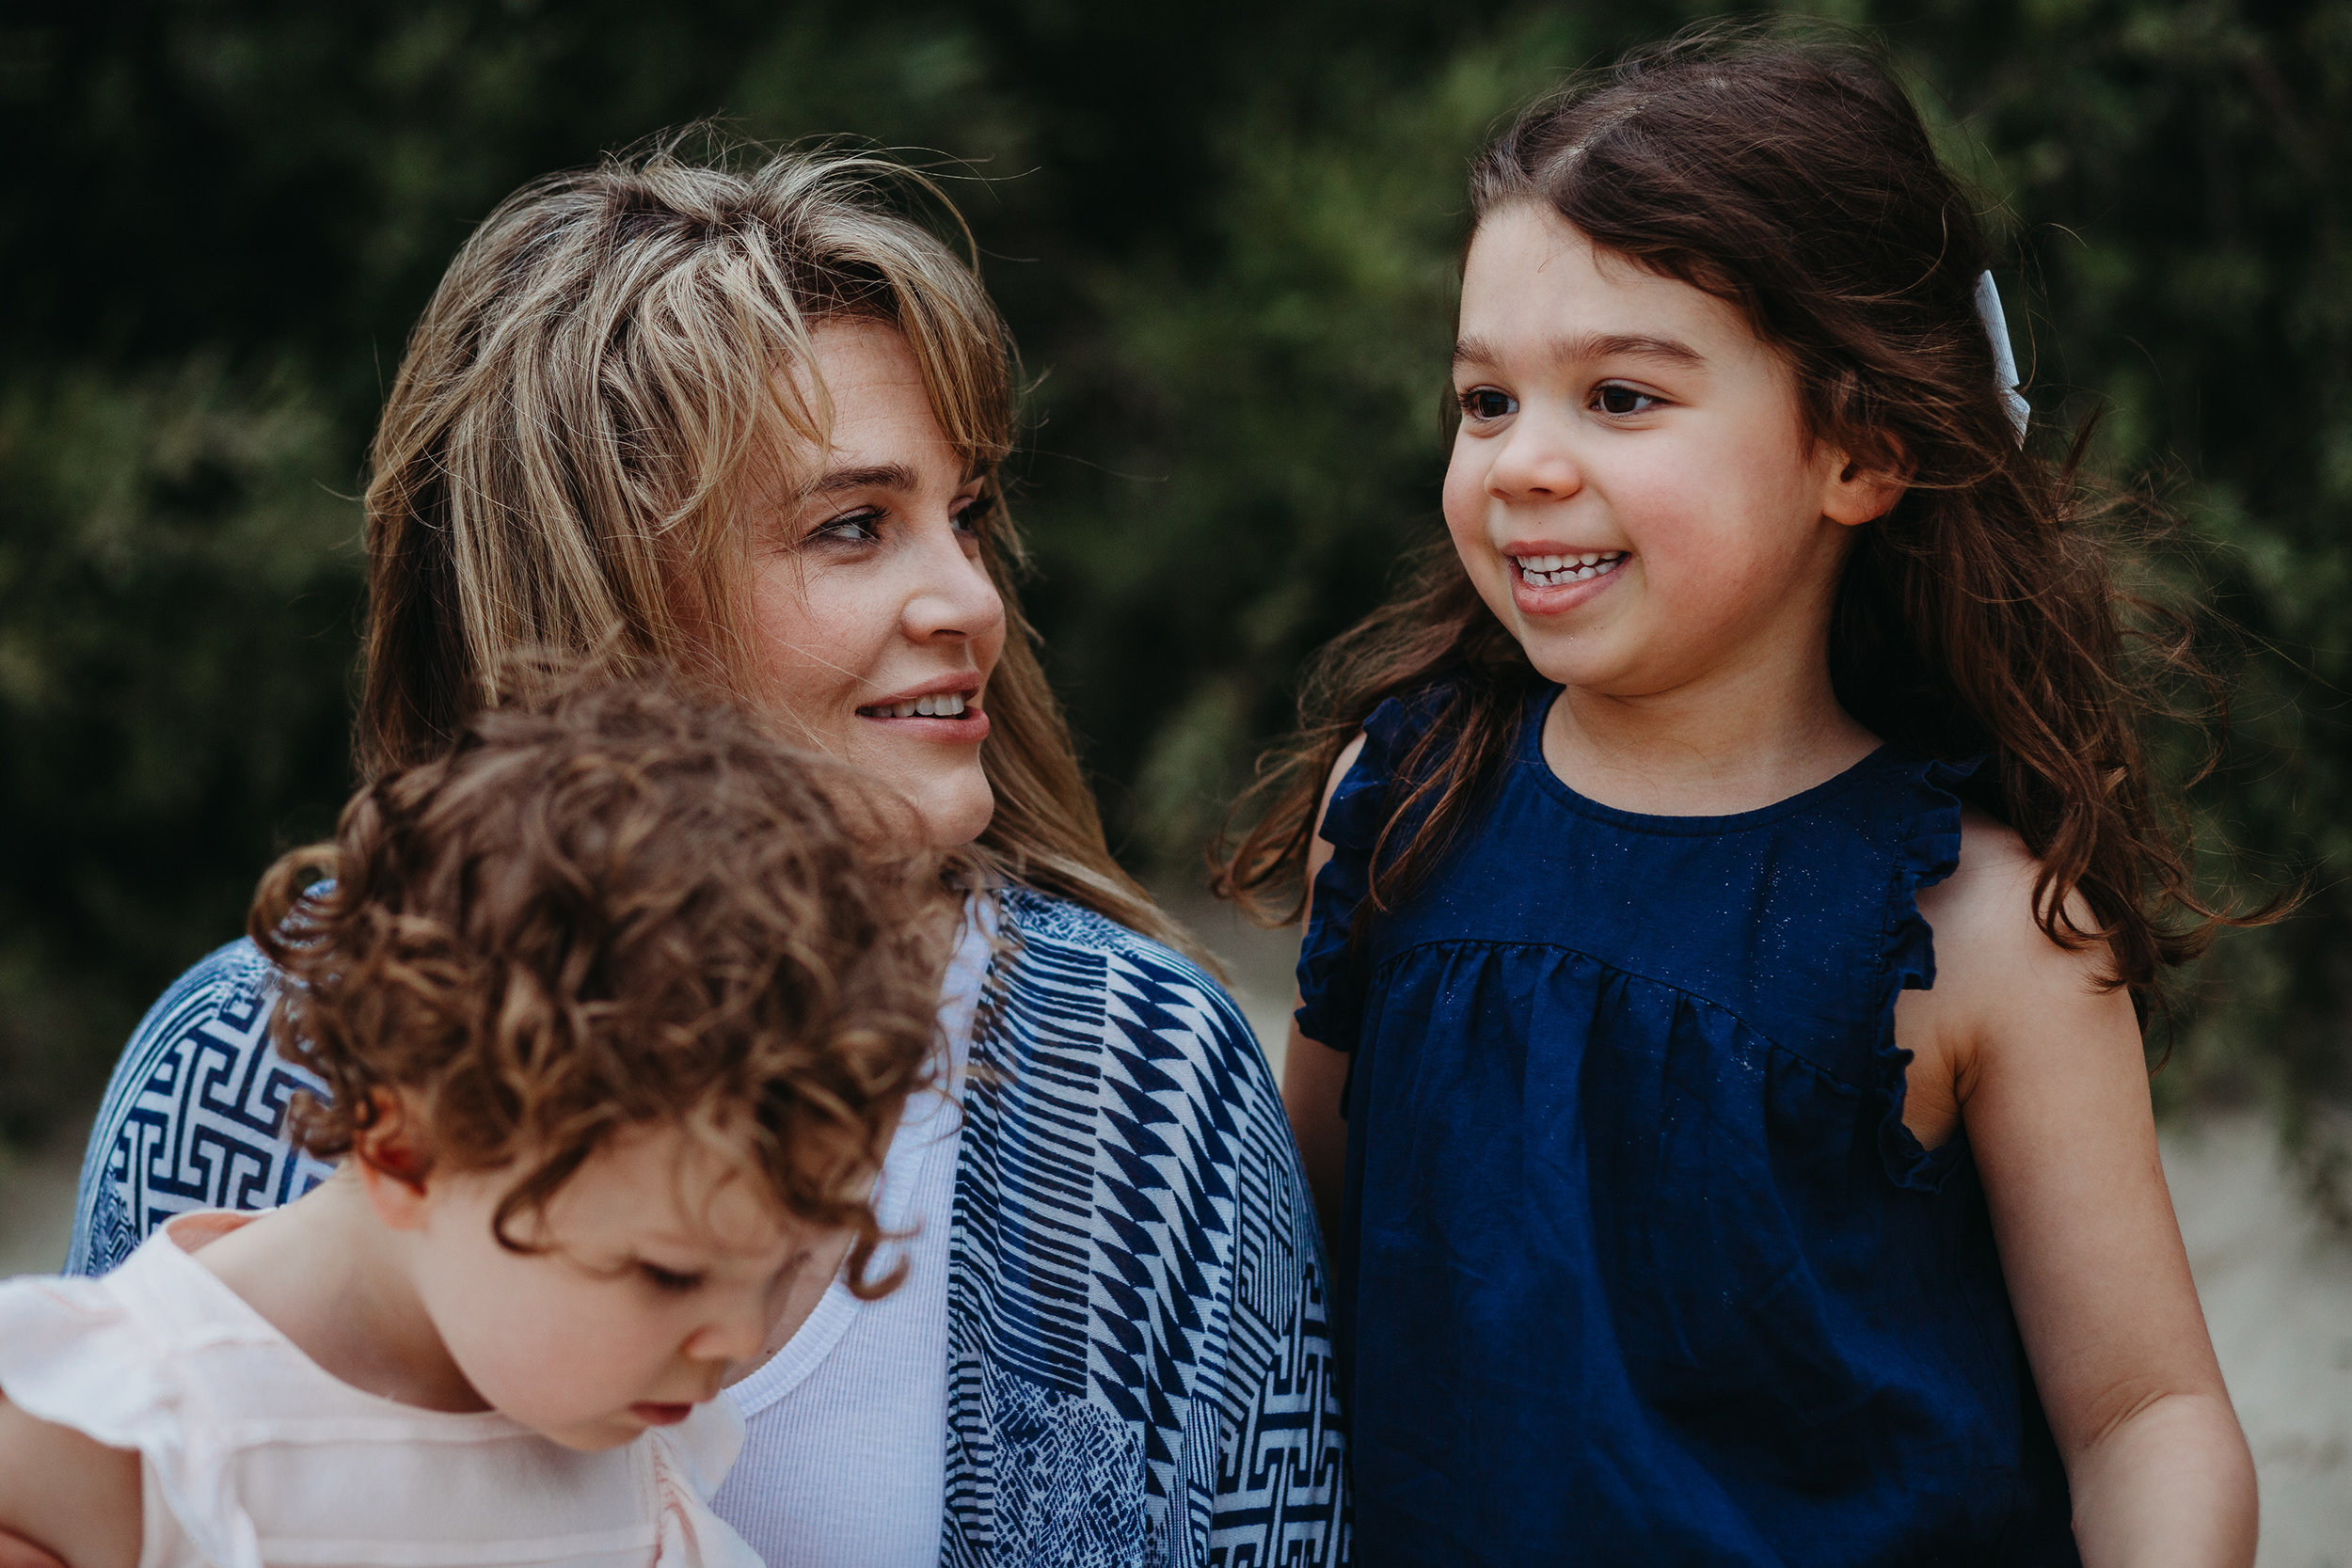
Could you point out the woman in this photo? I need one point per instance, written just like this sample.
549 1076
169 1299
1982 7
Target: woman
749 423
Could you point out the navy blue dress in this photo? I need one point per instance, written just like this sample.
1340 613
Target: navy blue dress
1638 1262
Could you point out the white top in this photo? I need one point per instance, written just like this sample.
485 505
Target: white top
250 1453
844 1457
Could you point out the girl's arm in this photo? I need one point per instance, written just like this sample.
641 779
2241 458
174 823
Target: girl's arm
2052 1086
1312 1077
1313 1072
64 1496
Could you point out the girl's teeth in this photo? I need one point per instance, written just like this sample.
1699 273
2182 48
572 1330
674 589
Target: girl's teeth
1549 571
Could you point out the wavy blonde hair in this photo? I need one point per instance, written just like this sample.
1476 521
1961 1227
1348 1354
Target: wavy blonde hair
594 390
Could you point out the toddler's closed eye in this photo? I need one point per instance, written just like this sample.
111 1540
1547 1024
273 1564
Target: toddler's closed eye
668 1279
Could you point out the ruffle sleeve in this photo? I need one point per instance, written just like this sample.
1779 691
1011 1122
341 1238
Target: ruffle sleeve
74 1354
688 1461
1929 852
1330 994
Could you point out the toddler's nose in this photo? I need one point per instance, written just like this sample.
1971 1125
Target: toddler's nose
736 1334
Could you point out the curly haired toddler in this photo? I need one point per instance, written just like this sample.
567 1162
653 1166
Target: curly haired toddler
617 1004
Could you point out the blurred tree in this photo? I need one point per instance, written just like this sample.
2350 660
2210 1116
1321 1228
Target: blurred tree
1226 236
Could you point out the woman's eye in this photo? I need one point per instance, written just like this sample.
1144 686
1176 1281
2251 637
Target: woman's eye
1485 403
856 527
669 1279
970 516
1622 400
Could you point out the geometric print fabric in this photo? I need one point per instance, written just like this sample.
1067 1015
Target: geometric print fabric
1139 1360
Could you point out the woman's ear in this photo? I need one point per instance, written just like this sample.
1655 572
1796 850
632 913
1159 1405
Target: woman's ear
390 1161
1862 489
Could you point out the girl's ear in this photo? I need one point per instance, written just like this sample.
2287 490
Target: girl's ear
1861 490
391 1165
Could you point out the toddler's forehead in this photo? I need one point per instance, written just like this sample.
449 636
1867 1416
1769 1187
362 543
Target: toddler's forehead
671 1182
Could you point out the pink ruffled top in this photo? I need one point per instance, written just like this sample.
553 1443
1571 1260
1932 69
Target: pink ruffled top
252 1454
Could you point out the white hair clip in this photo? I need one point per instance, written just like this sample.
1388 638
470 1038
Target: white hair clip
2003 357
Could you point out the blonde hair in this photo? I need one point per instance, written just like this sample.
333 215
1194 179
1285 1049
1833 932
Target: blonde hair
592 393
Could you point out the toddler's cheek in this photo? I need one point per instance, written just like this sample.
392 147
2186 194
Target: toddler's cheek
552 1363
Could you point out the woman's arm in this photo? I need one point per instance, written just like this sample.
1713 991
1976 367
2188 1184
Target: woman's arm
2053 1090
1313 1074
65 1498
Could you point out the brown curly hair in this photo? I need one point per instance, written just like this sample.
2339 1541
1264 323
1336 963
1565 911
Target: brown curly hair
608 906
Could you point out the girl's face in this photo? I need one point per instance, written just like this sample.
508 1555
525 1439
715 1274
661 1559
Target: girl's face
1632 490
874 623
660 1270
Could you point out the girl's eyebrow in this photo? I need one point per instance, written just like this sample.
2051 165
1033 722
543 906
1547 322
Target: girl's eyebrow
1590 345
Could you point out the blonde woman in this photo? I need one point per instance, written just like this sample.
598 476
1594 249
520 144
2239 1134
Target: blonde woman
747 421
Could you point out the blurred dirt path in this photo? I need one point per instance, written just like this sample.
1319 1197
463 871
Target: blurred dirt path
2278 1297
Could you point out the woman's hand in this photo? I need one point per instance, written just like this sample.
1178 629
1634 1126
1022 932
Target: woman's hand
2048 1077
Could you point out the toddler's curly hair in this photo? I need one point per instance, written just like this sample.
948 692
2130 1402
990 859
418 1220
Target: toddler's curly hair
609 906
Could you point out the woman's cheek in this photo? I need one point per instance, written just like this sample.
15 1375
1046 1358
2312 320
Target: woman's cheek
811 655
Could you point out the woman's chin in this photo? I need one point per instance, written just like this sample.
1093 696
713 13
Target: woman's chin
953 812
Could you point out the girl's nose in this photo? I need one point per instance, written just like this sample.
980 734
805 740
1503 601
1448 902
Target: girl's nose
1536 463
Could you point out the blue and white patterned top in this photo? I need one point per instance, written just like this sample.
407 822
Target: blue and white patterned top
1139 1367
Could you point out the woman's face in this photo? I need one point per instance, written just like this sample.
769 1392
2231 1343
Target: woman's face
875 625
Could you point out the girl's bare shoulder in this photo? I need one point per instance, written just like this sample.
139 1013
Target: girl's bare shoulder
1995 961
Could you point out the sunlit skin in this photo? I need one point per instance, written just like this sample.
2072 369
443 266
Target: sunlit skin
657 1271
1612 412
867 587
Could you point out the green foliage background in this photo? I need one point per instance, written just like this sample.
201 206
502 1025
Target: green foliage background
1225 234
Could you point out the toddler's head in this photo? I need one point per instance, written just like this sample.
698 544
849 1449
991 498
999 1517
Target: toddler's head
616 1003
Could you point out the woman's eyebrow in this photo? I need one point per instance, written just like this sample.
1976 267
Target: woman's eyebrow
886 476
1590 345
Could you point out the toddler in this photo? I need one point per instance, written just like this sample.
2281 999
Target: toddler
618 1003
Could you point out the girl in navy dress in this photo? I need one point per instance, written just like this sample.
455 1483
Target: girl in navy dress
1733 869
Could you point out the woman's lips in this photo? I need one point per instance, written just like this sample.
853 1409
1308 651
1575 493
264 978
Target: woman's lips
950 710
660 1415
968 730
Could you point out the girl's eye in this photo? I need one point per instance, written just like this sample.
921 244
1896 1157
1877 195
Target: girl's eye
1614 399
668 1280
970 516
1485 403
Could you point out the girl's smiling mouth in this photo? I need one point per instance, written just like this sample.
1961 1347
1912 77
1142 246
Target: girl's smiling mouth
1549 580
1558 571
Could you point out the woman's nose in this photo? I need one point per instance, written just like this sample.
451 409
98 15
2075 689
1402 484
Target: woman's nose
954 597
